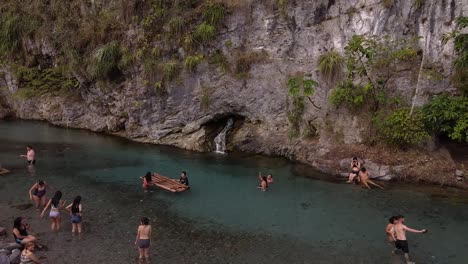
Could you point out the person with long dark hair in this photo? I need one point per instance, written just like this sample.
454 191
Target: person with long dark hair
76 210
143 239
55 205
146 180
263 182
20 232
38 193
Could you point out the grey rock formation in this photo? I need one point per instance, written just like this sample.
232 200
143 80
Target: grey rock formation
15 256
259 104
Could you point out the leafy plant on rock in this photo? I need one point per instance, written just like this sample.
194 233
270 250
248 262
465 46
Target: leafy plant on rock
331 65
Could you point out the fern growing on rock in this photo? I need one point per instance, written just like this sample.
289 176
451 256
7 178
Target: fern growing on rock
331 65
204 32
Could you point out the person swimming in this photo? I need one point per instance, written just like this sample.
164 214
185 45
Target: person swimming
55 205
355 168
76 210
38 193
146 180
143 239
184 179
263 182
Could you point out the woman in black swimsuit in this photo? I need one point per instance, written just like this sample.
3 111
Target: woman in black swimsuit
355 168
20 231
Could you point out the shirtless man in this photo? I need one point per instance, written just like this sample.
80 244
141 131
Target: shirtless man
364 176
400 234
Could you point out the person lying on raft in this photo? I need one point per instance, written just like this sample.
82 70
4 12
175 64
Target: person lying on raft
355 167
38 193
147 180
263 182
364 175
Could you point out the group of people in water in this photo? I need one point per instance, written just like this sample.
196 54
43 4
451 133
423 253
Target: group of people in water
395 230
396 234
360 175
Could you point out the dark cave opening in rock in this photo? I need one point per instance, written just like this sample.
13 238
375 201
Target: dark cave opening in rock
216 126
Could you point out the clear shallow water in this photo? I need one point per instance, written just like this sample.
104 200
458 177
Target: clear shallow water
335 223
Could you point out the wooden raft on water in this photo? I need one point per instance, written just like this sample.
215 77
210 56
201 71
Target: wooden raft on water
3 171
167 184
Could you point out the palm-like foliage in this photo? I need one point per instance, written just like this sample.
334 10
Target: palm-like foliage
204 32
10 33
331 65
214 14
170 69
191 62
106 60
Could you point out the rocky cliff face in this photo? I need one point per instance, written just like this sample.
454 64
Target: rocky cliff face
198 104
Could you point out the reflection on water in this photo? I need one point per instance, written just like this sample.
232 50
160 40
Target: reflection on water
298 218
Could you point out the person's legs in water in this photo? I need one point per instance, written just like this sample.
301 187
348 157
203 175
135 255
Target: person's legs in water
147 255
58 222
375 184
52 223
364 182
141 251
37 201
351 177
43 201
73 229
79 229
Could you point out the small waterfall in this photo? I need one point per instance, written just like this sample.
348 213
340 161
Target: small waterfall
220 139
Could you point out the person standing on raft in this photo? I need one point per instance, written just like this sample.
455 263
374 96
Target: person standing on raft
400 233
30 155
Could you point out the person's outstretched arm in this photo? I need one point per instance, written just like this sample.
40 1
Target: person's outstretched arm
414 230
137 236
45 208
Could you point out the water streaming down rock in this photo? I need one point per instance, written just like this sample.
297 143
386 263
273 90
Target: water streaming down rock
220 139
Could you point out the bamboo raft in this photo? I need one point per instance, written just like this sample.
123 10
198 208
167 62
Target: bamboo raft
167 184
3 171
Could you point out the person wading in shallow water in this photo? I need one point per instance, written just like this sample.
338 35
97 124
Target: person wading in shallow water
147 180
30 155
364 176
76 210
55 205
400 234
38 193
263 182
143 239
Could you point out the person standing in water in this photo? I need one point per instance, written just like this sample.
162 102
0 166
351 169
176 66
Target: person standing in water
27 255
76 210
390 229
55 205
146 180
143 239
30 155
400 235
184 179
38 193
364 176
355 168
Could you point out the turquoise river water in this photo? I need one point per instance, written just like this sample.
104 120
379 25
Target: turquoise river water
223 218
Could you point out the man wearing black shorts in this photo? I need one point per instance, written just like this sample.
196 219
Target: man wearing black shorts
400 232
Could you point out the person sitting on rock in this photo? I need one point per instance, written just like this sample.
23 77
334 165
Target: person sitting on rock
27 255
20 231
355 167
364 175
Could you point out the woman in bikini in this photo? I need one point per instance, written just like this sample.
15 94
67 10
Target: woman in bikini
143 239
27 255
38 193
55 205
75 212
20 232
355 167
